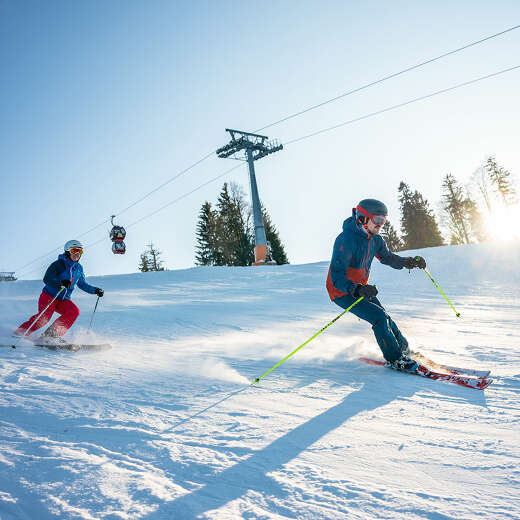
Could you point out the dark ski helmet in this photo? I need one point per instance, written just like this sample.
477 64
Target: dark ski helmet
369 208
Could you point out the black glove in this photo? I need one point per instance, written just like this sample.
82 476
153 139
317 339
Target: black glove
99 292
65 283
415 261
367 291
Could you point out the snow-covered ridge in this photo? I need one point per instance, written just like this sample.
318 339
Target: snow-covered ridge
116 434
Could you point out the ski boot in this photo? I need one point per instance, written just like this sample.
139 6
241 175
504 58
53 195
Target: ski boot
405 350
48 338
404 364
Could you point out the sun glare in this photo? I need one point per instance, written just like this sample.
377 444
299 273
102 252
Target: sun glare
503 223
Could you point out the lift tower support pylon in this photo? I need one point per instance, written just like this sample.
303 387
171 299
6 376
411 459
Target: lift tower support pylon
251 147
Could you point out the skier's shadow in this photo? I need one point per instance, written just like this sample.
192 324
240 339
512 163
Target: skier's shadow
252 474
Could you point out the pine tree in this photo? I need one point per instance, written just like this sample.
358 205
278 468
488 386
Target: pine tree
150 260
206 229
457 209
223 246
244 232
234 241
156 263
390 236
226 235
480 186
478 228
502 184
144 265
418 222
494 189
272 236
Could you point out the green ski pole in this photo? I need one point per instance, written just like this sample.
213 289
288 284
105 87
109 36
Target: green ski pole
257 380
440 290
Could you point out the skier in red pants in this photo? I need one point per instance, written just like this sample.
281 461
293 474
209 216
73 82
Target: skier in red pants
60 279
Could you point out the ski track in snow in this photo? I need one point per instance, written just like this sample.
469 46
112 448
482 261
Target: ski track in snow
165 426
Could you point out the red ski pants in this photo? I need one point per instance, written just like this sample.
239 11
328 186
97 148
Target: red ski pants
69 312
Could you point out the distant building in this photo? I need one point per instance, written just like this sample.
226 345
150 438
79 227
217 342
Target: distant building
7 277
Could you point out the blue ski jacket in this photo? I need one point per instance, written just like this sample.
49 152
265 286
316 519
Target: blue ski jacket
354 250
65 269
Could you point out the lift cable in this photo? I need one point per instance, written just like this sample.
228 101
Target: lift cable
395 74
393 107
150 214
171 179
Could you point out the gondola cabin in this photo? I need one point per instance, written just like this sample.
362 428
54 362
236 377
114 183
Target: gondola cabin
117 235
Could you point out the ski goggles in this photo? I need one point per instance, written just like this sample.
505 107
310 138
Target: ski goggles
378 220
76 251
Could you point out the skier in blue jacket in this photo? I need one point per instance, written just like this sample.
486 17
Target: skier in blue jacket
60 279
347 280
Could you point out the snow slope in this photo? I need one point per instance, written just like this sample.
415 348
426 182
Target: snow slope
165 426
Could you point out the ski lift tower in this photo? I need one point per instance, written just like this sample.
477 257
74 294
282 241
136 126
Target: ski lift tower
251 147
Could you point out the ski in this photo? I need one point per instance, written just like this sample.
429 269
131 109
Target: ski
478 383
72 347
449 368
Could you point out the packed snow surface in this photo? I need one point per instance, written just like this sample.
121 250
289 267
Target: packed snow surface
166 425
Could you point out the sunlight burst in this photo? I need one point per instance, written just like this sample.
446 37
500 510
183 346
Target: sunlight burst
503 223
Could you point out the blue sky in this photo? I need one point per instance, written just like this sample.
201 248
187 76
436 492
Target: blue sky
101 102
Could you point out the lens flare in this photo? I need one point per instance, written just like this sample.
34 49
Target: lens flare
502 223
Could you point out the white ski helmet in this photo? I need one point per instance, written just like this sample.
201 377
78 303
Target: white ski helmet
72 243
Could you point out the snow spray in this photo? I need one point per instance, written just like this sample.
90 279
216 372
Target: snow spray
308 341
